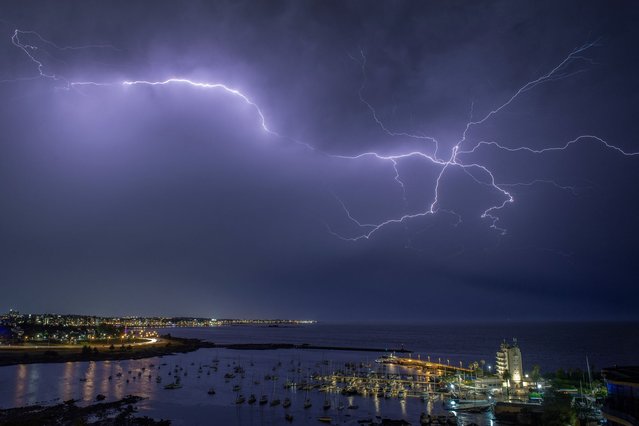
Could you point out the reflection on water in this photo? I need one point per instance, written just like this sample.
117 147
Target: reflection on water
89 376
68 380
32 383
551 346
21 378
105 370
192 405
27 382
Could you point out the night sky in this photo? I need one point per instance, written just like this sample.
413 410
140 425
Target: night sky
173 200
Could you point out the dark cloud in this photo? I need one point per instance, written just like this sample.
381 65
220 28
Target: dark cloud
173 200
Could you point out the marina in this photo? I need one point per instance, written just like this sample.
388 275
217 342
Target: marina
281 386
247 387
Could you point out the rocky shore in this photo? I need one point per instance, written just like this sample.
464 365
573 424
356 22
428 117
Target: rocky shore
121 412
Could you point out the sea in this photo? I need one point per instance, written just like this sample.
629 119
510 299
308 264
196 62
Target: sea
552 346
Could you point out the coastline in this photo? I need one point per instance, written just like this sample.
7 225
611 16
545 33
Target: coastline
121 411
165 345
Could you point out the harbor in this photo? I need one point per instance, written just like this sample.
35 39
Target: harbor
295 383
248 387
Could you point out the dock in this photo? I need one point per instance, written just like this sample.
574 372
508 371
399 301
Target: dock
424 365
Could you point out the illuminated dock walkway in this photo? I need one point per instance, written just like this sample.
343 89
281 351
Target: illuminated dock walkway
425 365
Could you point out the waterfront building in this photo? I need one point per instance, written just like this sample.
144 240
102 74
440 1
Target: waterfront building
622 404
5 333
509 359
489 383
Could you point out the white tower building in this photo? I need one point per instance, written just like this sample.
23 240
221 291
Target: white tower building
509 358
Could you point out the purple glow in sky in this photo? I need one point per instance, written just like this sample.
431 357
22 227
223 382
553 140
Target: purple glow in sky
431 165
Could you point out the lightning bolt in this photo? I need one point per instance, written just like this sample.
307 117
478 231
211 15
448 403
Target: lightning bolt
559 72
29 50
458 158
214 86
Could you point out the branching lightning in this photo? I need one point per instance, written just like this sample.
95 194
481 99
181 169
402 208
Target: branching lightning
459 157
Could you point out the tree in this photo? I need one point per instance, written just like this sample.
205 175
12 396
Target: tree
558 411
86 350
535 374
506 376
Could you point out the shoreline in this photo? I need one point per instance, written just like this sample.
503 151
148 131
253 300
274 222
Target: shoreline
166 345
121 411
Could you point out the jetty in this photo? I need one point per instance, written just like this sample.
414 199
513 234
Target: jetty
439 368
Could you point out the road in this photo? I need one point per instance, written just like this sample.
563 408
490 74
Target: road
76 346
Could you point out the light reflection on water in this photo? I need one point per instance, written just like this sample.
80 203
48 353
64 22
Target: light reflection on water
20 385
549 345
191 405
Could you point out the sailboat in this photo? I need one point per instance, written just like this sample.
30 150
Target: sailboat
327 404
307 401
174 385
468 405
274 400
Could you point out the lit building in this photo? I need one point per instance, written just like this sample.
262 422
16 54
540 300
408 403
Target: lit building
622 404
489 383
509 359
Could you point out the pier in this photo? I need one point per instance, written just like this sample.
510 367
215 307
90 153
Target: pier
424 365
